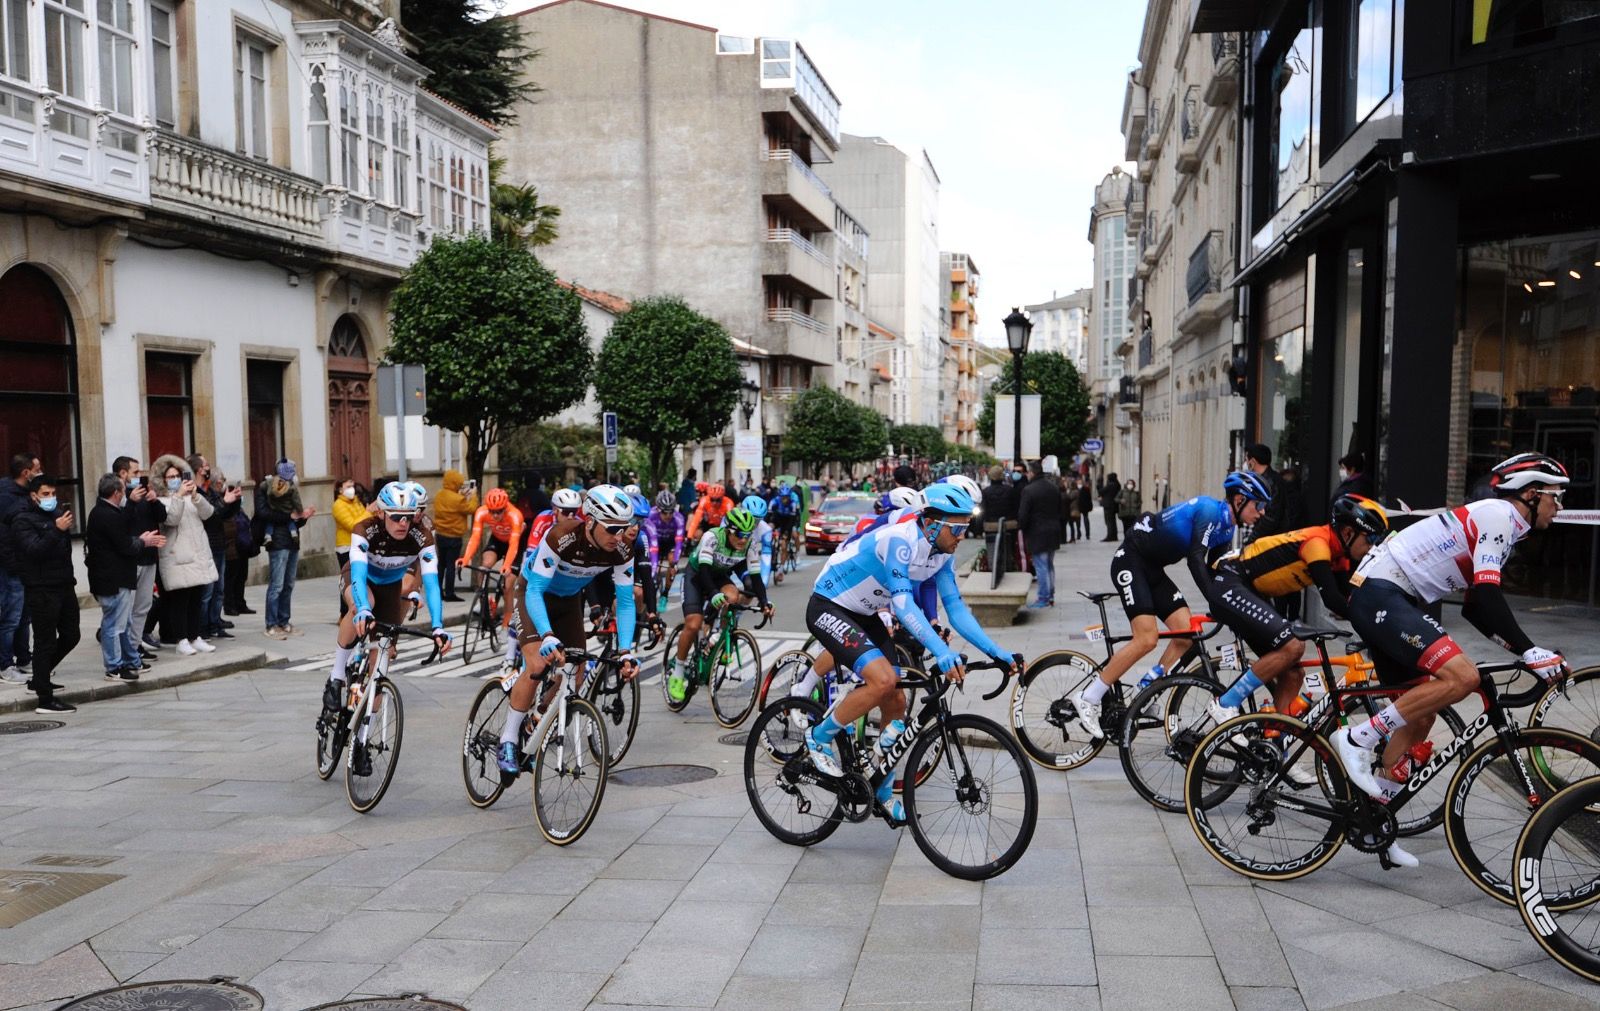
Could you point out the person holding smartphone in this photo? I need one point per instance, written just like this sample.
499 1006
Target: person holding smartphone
41 540
185 560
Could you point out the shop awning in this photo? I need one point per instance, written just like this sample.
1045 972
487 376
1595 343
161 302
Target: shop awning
1231 16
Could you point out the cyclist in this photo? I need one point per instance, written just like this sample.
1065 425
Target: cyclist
565 504
717 567
1463 549
505 532
384 548
645 554
713 506
550 608
1279 565
761 538
783 512
665 521
1197 531
842 614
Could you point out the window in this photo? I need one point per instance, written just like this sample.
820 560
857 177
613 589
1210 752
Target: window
250 96
14 39
775 56
1282 373
169 404
1369 59
1292 90
64 26
39 384
350 128
163 63
264 389
377 146
401 136
458 194
1507 23
116 55
436 185
317 123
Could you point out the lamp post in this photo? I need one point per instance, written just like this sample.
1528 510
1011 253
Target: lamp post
747 400
1018 329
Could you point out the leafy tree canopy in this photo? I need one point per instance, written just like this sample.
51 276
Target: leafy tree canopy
477 61
1063 404
515 214
823 427
918 440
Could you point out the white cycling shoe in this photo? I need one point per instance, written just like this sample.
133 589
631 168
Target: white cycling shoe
1358 763
823 755
1400 858
1089 717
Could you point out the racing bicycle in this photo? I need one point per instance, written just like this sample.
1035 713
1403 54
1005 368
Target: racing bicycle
726 659
484 622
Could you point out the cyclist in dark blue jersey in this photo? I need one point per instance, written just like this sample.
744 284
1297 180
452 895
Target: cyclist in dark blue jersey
1197 531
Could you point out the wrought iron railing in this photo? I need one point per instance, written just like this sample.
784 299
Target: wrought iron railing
1205 267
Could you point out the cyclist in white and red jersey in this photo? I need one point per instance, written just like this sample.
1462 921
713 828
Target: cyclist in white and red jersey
1463 549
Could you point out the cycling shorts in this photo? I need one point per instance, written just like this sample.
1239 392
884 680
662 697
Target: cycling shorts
1405 641
782 524
1243 610
1145 587
387 600
854 640
566 620
693 601
499 547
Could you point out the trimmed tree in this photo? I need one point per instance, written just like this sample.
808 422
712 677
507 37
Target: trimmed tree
476 59
1063 404
925 441
503 343
671 375
823 427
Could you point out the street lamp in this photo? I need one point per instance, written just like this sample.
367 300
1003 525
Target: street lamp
748 392
1018 329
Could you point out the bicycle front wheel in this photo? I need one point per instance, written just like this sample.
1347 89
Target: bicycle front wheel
1574 706
735 679
474 633
1165 724
1495 792
791 801
568 780
668 651
617 702
367 777
332 733
1043 715
974 817
787 671
1556 862
480 771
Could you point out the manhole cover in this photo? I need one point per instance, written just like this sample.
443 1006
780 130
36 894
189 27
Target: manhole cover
662 775
390 1004
29 726
174 995
737 738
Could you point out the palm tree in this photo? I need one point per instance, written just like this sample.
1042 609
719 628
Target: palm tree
516 217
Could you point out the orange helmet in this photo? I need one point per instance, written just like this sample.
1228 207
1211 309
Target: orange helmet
715 491
496 499
700 486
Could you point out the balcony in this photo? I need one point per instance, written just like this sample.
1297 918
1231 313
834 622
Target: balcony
1209 302
60 142
363 227
1189 131
1223 86
1147 349
1127 391
788 182
1133 118
222 188
1133 208
789 254
1154 129
794 334
1135 297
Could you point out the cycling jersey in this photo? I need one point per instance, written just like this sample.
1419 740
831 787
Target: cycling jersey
713 564
926 593
1280 564
882 567
708 514
539 528
566 562
1200 525
1453 551
760 553
379 558
661 528
505 528
786 502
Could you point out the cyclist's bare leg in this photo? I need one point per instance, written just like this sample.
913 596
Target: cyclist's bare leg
1281 669
1451 683
879 690
1177 621
522 693
1145 630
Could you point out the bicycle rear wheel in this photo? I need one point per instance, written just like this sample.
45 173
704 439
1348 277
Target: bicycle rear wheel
785 672
480 770
791 800
568 780
1489 806
1042 713
1574 707
1165 724
472 631
735 680
977 821
617 702
1556 861
1246 813
380 738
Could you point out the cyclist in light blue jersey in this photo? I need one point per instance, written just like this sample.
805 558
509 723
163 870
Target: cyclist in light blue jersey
761 540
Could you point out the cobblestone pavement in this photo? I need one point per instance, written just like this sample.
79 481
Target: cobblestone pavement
231 859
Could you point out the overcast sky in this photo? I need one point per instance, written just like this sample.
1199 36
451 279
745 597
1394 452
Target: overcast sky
1018 103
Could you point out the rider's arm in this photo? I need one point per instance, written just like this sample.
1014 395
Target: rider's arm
471 550
757 584
1333 598
677 535
702 566
622 578
961 618
1490 613
895 554
927 594
515 538
766 556
537 571
358 573
1209 539
428 566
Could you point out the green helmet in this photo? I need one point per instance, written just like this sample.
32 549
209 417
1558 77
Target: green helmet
740 521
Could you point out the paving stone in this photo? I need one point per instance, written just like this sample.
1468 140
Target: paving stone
71 973
1495 945
1110 885
756 848
248 885
700 832
544 875
1017 997
1042 906
922 884
921 980
494 917
1249 958
521 989
925 929
1544 984
580 946
817 903
1144 930
1410 1001
801 953
623 899
1266 998
498 851
738 882
168 927
445 968
365 936
226 951
1062 957
745 992
1193 984
671 863
1326 983
431 891
127 964
838 864
288 985
686 973
306 907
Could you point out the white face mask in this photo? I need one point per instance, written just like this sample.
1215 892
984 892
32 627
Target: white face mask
348 493
1344 474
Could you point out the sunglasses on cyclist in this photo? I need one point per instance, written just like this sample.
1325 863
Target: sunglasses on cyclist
616 528
1556 494
400 517
568 513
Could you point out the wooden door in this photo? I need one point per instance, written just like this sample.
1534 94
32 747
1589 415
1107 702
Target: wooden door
349 439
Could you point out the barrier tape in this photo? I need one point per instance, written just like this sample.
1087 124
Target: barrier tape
1577 517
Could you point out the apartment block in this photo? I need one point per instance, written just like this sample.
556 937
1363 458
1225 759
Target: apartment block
1061 325
959 378
1112 392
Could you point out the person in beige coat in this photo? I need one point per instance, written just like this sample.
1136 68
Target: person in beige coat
184 563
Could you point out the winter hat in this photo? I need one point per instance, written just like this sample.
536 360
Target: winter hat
286 469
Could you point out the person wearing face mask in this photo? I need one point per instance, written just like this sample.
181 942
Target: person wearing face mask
224 499
185 560
1353 477
41 545
145 513
111 556
348 512
15 656
279 517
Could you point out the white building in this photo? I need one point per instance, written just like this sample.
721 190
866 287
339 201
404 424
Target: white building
1061 325
204 207
1111 393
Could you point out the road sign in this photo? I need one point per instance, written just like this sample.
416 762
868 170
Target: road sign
409 387
611 454
610 418
1093 445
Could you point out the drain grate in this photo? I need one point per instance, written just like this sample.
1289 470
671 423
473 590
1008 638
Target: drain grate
661 775
25 894
68 860
737 738
29 726
172 995
390 1004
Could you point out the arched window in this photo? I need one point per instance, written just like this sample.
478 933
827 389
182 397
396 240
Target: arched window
39 384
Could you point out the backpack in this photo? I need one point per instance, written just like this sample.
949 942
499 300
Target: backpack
246 537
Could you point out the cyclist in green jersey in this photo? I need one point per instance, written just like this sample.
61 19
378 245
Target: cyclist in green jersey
717 567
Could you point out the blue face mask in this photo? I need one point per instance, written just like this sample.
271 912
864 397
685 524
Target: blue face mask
173 483
48 504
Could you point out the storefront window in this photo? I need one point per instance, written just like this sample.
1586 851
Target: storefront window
1507 23
1531 327
1282 370
1292 83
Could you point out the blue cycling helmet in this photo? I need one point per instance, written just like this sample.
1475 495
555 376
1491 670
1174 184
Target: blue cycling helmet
1242 482
947 500
641 506
755 505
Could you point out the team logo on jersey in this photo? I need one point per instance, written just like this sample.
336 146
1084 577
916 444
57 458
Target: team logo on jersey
1143 526
1414 641
1377 619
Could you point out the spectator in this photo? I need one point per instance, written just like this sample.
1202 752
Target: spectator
145 513
1294 498
111 551
279 517
349 510
1108 505
1130 503
536 499
185 560
905 477
452 516
688 495
241 547
41 546
1353 478
1258 459
15 658
1163 497
1069 509
1085 505
1039 516
224 499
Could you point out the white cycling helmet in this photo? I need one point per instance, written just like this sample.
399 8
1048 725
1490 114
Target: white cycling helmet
566 498
631 489
966 484
399 497
1526 469
907 498
607 503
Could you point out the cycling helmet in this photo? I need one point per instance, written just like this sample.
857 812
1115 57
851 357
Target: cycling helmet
1242 482
945 499
665 500
963 482
739 521
641 506
909 498
716 491
1524 469
396 497
700 486
420 493
755 505
496 499
631 489
608 504
1361 513
566 498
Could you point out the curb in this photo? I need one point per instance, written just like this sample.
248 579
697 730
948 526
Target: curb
109 690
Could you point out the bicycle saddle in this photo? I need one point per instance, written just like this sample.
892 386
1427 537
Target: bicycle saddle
1311 633
1098 597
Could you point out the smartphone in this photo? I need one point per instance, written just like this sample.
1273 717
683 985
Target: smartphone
144 482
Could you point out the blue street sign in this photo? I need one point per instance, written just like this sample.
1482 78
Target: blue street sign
1093 445
611 429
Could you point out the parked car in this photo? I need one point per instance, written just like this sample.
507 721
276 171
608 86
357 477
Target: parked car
835 520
